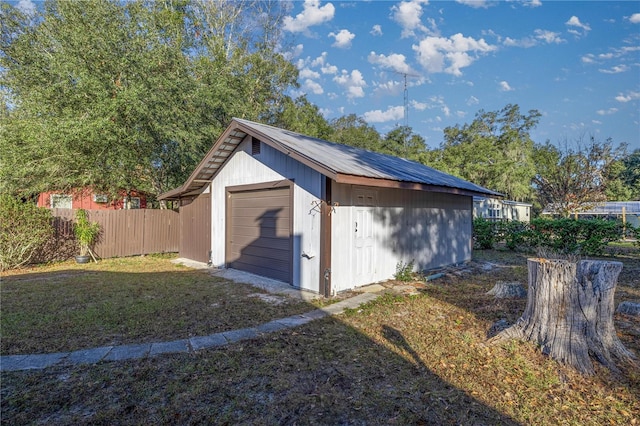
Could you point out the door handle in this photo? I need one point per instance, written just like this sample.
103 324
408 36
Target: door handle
356 226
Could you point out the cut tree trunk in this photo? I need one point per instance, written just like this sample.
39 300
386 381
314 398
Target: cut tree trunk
503 290
569 313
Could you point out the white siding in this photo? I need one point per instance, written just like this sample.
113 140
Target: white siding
271 165
433 229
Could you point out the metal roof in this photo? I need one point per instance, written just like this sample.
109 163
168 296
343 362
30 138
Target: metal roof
342 163
614 207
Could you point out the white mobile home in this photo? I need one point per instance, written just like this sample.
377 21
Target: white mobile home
498 209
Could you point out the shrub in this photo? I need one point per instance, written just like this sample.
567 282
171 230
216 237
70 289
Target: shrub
404 271
570 236
24 228
86 232
635 233
484 236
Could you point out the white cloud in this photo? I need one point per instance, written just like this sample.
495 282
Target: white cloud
574 22
449 55
376 30
539 35
607 111
312 14
588 58
635 18
395 62
615 70
631 96
391 87
473 101
525 42
308 73
532 3
343 39
329 69
548 36
504 87
325 67
476 4
598 122
314 87
27 7
378 116
295 52
352 82
408 14
419 106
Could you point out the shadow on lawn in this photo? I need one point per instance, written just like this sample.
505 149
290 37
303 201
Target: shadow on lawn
325 372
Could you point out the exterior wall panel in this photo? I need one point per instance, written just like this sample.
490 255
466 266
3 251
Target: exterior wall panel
269 165
432 229
195 228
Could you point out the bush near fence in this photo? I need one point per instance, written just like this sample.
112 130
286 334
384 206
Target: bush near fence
568 236
122 233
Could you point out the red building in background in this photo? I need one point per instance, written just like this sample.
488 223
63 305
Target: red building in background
87 199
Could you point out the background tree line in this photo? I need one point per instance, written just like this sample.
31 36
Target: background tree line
122 95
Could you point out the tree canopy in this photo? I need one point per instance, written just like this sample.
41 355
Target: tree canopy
573 178
494 151
122 95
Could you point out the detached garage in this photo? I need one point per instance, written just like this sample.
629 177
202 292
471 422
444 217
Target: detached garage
326 217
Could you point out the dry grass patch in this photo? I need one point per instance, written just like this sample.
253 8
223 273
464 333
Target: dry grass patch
66 306
398 360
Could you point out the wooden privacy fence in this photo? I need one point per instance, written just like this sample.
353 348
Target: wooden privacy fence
122 233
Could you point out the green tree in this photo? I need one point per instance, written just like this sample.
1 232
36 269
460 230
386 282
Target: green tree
574 178
354 131
494 151
301 116
402 142
119 95
630 175
24 228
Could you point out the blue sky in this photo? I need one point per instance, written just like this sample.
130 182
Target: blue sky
577 63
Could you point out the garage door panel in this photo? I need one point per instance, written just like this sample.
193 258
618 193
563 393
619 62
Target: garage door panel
256 232
259 232
269 253
282 192
251 222
275 202
264 271
260 212
280 265
274 243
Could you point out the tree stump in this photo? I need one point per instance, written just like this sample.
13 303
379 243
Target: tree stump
569 313
629 308
504 290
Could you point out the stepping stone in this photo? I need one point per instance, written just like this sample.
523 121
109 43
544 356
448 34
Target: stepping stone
204 342
119 353
176 346
88 356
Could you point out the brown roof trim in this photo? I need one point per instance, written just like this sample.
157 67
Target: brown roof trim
388 183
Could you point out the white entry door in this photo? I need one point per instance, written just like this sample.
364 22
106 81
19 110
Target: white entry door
364 239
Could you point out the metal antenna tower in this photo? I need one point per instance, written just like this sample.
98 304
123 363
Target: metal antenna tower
406 104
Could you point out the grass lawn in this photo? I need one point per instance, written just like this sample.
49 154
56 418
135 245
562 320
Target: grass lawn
398 360
65 306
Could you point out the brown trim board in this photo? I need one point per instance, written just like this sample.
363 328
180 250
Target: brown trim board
325 239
